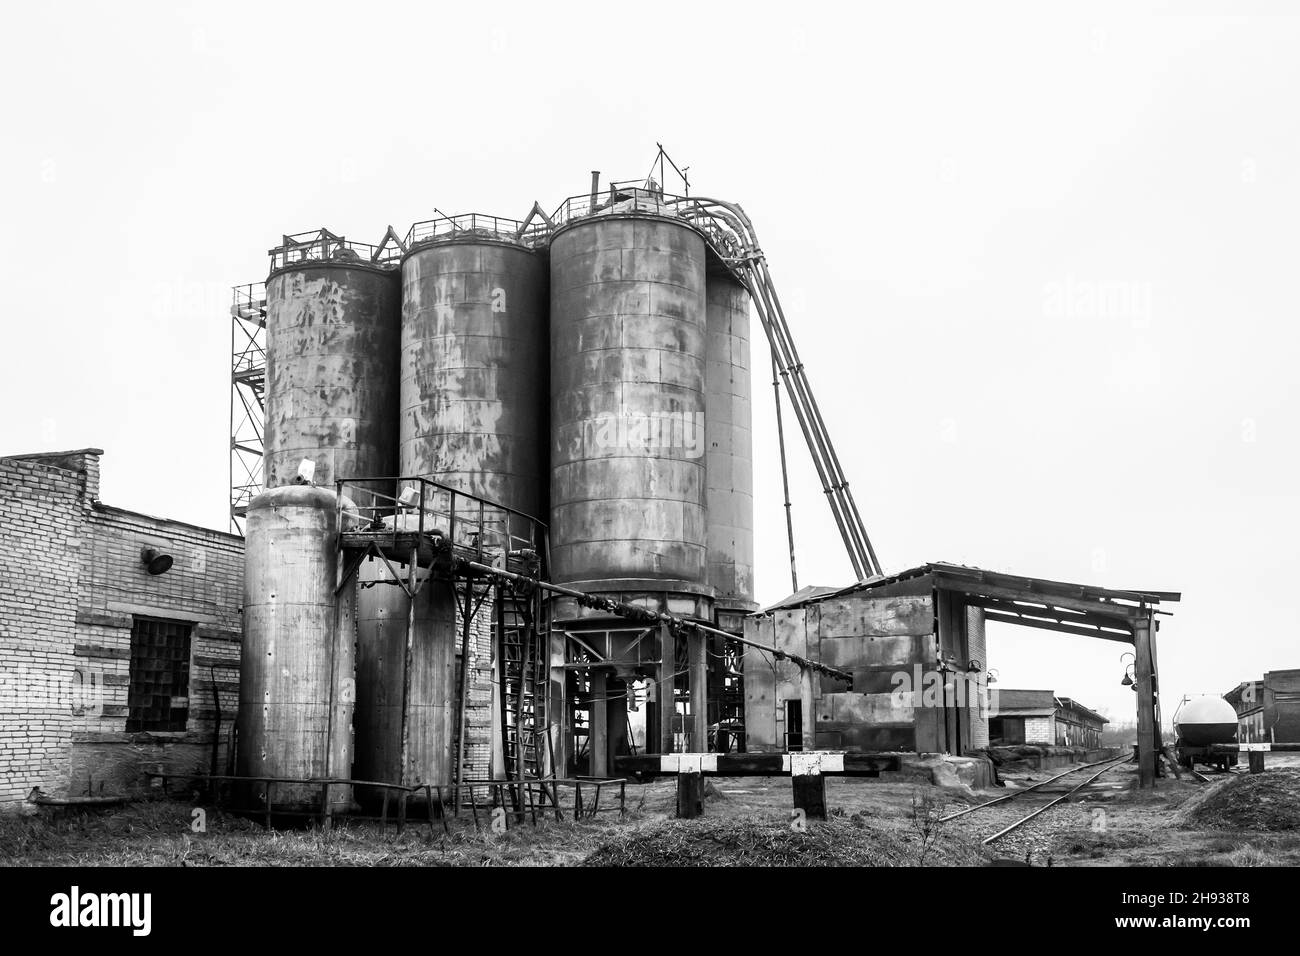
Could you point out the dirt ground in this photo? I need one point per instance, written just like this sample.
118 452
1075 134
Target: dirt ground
747 821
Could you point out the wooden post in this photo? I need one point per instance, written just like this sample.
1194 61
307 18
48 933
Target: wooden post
699 678
1146 708
598 727
1256 759
810 795
808 708
690 795
664 692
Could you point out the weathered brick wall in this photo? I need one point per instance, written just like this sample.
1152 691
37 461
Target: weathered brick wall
1040 730
40 542
481 742
977 647
73 582
204 587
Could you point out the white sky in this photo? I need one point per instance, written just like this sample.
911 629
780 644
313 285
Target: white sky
1038 260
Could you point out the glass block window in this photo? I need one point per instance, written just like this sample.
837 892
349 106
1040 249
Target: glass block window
160 675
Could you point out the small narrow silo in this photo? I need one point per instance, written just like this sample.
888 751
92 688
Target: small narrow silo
390 748
297 668
628 462
728 435
474 366
332 333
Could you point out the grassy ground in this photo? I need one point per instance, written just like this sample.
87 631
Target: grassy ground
746 822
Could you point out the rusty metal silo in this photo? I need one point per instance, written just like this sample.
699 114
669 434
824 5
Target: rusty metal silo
332 332
389 749
297 669
728 437
628 403
474 366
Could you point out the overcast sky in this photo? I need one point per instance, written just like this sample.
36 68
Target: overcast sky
1039 260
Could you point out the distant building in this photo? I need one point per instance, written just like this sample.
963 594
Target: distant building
1268 710
1040 717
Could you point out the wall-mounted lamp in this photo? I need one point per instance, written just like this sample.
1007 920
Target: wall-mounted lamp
155 562
992 675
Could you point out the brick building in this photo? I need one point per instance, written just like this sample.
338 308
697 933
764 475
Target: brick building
106 669
1040 717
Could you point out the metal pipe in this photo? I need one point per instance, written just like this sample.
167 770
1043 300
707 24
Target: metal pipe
785 478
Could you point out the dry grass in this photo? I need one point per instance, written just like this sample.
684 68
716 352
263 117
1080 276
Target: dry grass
159 834
839 841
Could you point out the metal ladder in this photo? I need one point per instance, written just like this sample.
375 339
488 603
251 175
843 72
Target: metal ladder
523 684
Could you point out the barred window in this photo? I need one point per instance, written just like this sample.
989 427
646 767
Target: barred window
160 675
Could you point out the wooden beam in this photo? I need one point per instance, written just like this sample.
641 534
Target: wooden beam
1000 617
1122 612
1146 708
1055 614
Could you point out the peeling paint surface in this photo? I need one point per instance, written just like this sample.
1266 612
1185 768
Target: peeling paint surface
331 393
473 370
628 467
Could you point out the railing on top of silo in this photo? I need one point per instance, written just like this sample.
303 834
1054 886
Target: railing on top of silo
468 224
323 246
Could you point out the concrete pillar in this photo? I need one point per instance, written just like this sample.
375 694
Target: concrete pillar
664 692
699 671
808 707
598 727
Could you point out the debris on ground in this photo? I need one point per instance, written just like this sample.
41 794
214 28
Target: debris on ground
840 841
1264 801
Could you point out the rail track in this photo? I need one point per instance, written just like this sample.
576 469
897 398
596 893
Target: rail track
1105 766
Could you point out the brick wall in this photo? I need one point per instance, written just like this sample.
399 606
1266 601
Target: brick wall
1039 730
73 585
481 734
41 518
203 588
977 646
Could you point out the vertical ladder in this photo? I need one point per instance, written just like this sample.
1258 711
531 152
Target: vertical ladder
523 670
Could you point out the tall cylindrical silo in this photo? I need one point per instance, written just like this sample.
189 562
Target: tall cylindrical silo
332 339
297 668
628 406
474 367
728 436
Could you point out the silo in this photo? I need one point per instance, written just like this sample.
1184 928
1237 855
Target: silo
728 437
627 407
296 671
383 611
332 333
474 367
